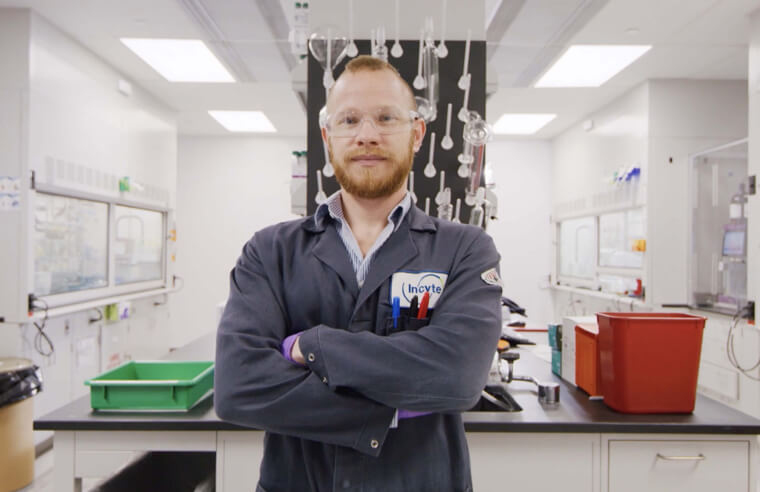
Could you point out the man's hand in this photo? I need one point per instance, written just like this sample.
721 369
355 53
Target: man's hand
295 352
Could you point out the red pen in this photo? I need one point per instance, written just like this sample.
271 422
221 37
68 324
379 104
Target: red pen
423 305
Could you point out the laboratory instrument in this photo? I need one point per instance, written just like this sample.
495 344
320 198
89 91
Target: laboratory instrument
430 167
320 197
419 80
442 51
328 49
447 142
440 197
379 49
464 80
548 392
351 50
425 109
456 212
427 205
327 169
477 213
411 187
476 132
430 71
445 209
463 114
396 50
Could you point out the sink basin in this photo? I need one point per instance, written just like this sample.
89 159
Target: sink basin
496 399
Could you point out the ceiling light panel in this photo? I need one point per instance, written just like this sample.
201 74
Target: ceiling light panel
180 60
521 123
590 65
244 121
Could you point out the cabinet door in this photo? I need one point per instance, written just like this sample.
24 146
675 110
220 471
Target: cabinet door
537 462
667 466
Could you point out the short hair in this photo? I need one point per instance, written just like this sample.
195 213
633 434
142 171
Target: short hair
367 63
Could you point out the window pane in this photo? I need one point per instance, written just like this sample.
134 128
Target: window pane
576 242
138 245
70 244
622 239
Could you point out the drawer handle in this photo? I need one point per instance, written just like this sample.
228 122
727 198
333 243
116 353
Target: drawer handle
699 457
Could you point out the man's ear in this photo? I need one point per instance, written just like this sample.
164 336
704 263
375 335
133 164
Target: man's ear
323 130
419 133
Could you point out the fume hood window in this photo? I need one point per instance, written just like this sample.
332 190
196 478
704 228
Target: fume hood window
71 244
577 247
622 239
138 245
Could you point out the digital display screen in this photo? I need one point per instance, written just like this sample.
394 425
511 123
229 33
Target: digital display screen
733 243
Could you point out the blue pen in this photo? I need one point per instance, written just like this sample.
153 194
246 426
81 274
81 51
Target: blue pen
396 311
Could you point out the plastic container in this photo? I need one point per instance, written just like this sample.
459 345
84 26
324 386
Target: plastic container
152 385
649 362
587 374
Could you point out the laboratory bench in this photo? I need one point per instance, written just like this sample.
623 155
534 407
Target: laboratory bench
579 445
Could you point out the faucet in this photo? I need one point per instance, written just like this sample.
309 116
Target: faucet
548 393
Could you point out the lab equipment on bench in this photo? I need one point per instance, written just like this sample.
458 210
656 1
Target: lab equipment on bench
152 386
463 111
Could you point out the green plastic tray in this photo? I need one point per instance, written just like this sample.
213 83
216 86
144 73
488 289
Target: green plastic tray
152 385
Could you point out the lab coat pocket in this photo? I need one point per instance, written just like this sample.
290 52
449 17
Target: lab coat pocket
404 323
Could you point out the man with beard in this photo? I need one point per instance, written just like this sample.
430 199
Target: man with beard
322 343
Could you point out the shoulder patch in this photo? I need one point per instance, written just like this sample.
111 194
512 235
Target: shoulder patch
491 277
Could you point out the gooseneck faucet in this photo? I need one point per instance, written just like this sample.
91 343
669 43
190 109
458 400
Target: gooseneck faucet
548 393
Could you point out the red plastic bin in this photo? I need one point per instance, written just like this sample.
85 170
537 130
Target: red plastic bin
649 362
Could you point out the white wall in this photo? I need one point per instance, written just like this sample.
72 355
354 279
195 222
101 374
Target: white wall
523 234
59 103
686 117
227 189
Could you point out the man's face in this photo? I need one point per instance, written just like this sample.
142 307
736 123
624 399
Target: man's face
371 164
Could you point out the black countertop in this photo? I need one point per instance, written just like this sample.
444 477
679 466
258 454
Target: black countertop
575 413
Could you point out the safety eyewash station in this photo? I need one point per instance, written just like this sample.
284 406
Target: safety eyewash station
609 148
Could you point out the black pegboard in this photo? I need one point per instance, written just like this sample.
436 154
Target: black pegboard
450 69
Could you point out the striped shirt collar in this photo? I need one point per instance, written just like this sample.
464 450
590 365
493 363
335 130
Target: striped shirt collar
333 207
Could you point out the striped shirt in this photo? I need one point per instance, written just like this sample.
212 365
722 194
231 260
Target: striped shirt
333 207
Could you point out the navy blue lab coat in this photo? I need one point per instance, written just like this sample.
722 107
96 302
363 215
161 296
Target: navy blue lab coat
328 423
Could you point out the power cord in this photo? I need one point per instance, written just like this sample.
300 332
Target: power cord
730 350
41 339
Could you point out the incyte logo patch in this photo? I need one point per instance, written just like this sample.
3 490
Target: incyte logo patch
406 285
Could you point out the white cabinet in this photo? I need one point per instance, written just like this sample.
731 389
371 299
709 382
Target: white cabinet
534 461
669 463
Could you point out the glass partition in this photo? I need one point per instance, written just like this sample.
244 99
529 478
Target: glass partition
577 247
138 245
622 239
71 244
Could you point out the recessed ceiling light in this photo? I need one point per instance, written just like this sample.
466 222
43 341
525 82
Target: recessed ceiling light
180 60
590 66
521 123
244 121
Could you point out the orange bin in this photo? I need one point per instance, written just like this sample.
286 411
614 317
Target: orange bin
587 359
649 362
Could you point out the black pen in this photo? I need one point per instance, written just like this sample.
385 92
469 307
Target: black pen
413 307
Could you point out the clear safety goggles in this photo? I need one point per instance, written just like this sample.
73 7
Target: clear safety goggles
386 120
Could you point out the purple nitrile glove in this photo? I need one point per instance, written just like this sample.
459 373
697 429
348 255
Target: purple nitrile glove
410 414
287 346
